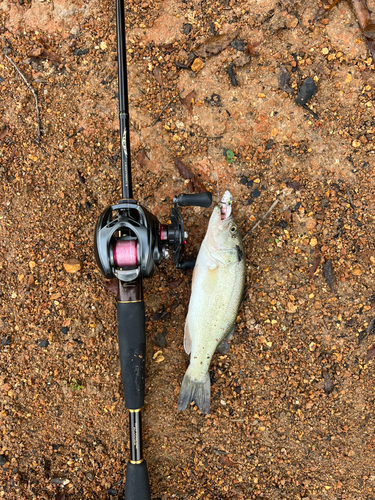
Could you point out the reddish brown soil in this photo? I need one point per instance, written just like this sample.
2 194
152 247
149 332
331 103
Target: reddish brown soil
274 432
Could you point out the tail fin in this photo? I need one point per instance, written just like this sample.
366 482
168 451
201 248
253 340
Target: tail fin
199 392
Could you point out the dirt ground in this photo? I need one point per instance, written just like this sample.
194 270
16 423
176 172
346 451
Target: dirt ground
292 404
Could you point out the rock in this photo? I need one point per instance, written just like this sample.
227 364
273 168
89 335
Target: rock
291 22
80 52
197 65
3 459
160 340
241 61
291 308
310 223
239 45
75 30
30 281
43 343
64 330
72 266
62 481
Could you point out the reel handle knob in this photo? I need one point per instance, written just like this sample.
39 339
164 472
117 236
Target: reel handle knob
186 264
194 200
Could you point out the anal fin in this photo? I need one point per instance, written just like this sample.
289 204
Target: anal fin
224 345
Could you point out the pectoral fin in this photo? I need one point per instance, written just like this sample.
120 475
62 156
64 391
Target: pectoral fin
187 340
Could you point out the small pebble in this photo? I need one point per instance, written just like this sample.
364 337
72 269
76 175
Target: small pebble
284 78
239 45
80 52
62 481
72 266
160 340
197 65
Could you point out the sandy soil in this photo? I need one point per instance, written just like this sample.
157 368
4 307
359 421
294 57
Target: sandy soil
292 407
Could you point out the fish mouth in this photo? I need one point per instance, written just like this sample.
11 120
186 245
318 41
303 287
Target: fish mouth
226 205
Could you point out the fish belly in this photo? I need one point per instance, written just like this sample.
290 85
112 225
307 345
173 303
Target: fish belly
214 302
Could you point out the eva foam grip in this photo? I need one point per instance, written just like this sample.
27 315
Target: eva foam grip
132 350
195 200
137 485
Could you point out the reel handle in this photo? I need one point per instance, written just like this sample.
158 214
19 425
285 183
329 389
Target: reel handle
194 200
186 264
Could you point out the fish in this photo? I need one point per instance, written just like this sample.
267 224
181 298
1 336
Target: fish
216 293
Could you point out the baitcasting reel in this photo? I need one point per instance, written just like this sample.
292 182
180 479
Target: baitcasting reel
130 242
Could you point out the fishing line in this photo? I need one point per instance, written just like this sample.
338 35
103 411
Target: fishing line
211 147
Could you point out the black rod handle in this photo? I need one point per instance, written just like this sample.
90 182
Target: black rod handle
137 485
132 351
194 200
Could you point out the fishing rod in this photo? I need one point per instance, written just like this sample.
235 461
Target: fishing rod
129 243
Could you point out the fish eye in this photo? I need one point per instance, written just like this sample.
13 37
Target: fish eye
233 230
